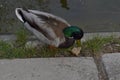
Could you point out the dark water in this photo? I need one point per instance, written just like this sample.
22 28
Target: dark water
91 15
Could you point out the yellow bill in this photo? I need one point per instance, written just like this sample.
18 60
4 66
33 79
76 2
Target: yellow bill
78 43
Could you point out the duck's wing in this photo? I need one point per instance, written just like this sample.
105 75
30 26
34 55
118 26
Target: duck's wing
49 25
51 21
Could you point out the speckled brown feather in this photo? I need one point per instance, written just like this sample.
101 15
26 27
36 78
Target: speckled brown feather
55 24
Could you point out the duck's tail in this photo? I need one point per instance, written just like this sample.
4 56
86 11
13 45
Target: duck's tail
19 14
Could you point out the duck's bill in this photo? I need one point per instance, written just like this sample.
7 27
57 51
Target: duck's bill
78 43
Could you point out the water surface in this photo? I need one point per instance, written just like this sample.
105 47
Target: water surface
90 15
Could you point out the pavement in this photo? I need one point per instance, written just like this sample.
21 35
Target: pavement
112 65
62 68
49 69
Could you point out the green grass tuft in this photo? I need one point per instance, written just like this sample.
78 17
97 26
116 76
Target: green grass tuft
9 51
21 37
95 44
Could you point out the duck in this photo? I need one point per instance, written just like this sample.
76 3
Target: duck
48 28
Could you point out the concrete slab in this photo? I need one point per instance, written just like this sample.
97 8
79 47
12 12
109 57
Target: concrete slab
112 65
49 69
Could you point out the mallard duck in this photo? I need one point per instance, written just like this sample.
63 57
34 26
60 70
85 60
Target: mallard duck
48 28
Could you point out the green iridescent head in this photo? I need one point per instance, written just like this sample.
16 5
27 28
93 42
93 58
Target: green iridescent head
73 31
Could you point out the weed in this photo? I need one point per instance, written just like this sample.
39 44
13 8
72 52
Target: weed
21 37
95 44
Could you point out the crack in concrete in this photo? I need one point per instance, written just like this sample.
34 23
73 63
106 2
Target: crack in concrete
102 74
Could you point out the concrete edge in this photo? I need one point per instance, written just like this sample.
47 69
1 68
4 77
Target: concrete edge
103 34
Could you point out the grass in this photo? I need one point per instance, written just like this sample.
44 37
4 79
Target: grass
7 50
21 37
92 47
10 52
17 49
